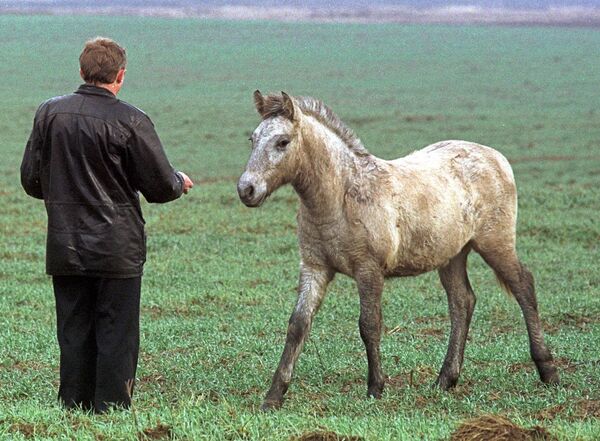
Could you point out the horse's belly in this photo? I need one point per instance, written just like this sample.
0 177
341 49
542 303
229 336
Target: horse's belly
413 265
407 271
426 250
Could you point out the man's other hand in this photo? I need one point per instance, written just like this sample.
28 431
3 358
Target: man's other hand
187 182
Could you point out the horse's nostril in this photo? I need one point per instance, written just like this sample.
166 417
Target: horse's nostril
246 190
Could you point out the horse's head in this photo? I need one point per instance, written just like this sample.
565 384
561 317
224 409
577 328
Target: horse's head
275 146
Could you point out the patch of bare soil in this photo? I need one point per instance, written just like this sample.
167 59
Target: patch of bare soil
364 120
156 311
419 376
587 409
583 409
430 319
563 364
421 118
549 413
256 282
325 436
252 392
433 332
161 431
395 330
28 430
154 378
566 365
557 322
350 384
495 427
25 429
520 366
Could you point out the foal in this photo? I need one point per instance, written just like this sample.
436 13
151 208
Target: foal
369 219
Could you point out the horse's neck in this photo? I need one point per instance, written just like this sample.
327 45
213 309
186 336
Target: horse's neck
327 166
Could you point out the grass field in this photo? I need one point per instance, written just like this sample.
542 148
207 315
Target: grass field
220 279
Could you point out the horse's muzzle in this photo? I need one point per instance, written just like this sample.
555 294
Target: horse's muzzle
252 192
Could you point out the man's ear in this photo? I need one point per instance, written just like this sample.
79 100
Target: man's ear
288 106
120 76
259 102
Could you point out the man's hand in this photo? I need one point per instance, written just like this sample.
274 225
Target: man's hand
187 182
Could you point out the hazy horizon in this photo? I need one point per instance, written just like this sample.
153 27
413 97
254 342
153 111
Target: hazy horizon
327 4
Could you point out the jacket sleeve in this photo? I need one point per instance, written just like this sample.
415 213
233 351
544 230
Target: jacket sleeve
32 159
152 173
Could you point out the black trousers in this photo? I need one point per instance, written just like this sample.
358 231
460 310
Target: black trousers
98 335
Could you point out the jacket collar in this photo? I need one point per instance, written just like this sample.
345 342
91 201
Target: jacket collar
90 89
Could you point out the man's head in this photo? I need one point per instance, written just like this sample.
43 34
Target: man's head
102 63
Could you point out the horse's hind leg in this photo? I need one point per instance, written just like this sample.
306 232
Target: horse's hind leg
461 303
502 258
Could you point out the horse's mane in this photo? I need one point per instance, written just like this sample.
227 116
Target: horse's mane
274 106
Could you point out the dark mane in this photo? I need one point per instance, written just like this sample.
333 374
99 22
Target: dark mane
274 106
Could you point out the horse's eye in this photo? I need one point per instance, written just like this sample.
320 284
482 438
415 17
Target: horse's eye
281 145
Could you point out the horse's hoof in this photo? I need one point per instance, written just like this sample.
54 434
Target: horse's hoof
375 392
445 383
549 376
271 405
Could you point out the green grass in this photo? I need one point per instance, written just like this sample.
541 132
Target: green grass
220 278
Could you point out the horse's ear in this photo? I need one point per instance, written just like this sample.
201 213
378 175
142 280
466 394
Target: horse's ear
288 106
259 102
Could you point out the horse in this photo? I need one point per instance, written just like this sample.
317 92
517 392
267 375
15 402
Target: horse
370 219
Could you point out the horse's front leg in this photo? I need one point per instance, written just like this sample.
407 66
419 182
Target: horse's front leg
311 290
370 287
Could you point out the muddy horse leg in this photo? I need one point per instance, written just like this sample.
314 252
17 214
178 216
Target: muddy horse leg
311 290
461 303
370 287
519 281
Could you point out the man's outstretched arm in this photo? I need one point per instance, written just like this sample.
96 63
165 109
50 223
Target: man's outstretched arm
153 175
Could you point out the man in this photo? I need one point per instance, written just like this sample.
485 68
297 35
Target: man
87 157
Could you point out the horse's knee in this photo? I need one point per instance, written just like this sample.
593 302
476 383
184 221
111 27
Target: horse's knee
298 326
470 301
370 328
517 280
524 279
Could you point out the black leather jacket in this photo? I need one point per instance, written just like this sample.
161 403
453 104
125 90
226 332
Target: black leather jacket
87 157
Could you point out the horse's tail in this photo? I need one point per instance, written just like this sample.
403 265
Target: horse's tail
503 284
523 275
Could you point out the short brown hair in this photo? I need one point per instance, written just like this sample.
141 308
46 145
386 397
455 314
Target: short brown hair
101 60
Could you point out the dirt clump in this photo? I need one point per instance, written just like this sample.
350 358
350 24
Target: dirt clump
26 429
587 409
495 427
161 431
325 436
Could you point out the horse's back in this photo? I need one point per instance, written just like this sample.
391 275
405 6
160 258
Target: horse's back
476 160
478 170
451 193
